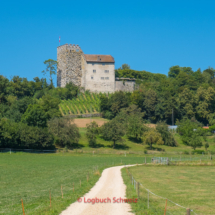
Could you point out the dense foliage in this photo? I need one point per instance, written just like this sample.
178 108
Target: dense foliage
183 93
25 109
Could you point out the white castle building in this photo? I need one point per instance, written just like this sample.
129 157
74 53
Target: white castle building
92 72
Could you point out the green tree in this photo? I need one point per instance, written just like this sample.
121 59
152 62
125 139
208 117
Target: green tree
153 137
51 68
135 128
117 101
50 106
167 136
35 116
206 146
112 131
205 100
195 141
66 133
190 132
92 132
125 66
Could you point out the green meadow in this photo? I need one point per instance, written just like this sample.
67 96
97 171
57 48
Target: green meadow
32 177
130 146
189 186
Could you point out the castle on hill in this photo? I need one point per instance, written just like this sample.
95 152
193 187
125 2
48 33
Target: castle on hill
95 73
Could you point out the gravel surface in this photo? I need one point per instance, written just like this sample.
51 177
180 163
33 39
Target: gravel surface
109 185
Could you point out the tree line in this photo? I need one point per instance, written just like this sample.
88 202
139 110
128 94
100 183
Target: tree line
29 112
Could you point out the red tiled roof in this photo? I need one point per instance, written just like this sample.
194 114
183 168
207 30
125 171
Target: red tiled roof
99 58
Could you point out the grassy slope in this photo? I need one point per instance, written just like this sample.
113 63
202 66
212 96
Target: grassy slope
132 147
189 186
31 176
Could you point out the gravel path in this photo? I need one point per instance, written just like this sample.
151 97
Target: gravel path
109 185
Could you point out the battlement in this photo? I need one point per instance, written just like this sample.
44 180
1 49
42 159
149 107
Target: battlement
69 47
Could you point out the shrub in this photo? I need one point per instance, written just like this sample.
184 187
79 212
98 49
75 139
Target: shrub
185 152
92 132
198 151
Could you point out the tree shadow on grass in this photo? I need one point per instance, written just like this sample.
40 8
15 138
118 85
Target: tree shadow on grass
155 149
76 146
134 140
98 145
118 146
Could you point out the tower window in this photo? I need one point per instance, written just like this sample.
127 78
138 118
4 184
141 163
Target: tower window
91 77
102 78
106 71
94 71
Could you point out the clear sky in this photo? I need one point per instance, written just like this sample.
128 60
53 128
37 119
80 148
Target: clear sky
147 35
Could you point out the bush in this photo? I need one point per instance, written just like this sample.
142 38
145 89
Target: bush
185 152
92 132
198 151
167 136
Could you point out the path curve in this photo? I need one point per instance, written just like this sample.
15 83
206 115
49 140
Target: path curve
109 185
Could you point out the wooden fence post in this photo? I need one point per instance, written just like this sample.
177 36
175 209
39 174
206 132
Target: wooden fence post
23 207
50 198
188 211
165 207
62 191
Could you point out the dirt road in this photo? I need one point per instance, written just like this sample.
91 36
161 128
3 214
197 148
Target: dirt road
110 185
82 123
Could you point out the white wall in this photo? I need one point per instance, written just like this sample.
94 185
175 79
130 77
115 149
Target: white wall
93 81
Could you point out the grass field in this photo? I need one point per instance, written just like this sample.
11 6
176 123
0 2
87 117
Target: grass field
189 186
32 176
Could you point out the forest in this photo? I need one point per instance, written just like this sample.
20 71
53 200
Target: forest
30 115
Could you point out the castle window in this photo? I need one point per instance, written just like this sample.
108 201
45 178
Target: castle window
107 78
94 71
102 78
91 77
106 71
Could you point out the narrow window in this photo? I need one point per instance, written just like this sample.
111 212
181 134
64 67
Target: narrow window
91 77
107 78
94 71
102 78
106 71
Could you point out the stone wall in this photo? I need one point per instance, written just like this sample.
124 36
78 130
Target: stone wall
70 62
126 86
100 77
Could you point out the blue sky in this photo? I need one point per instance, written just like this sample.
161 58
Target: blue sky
147 35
